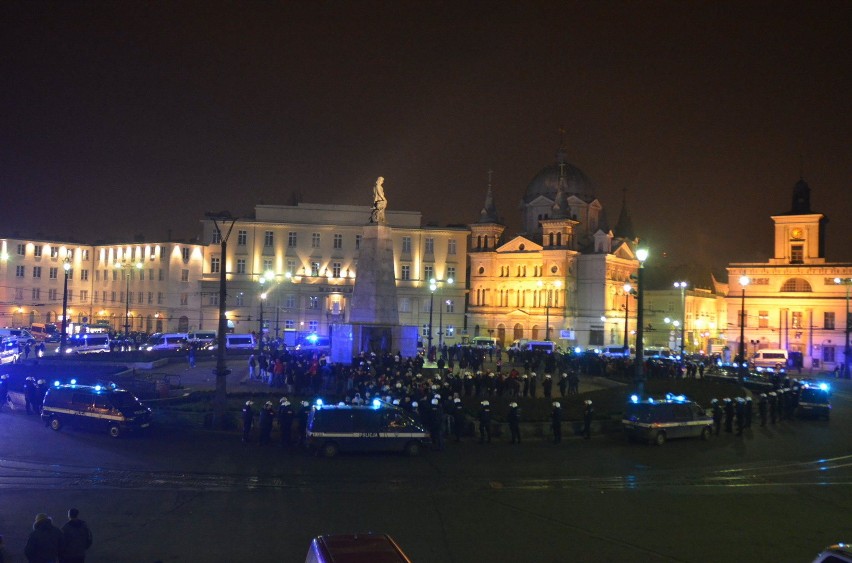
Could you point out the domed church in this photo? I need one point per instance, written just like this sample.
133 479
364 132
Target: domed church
562 278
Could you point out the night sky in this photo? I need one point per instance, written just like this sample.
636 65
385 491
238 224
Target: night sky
127 118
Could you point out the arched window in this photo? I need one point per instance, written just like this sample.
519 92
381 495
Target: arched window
501 334
796 285
183 324
519 331
535 332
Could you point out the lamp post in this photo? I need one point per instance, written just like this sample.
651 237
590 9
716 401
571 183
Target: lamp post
743 366
127 267
220 399
639 367
260 332
434 284
682 285
847 352
63 338
627 289
557 284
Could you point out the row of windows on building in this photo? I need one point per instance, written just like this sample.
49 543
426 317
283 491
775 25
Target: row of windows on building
315 269
796 320
312 302
141 297
114 274
517 297
52 251
337 241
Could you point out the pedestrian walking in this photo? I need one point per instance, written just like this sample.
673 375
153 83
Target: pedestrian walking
190 356
556 422
484 422
729 415
458 419
252 363
762 406
4 390
265 423
436 422
773 407
514 420
45 542
588 414
285 421
31 395
748 411
248 420
76 537
547 386
717 415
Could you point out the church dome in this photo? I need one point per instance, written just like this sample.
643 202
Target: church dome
546 182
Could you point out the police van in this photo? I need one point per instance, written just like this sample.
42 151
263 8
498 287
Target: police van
814 399
88 343
9 350
97 407
166 341
660 420
374 428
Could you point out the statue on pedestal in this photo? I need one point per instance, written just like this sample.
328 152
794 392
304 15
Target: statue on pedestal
379 203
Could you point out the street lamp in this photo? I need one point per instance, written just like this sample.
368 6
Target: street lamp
639 367
557 284
847 360
63 338
743 370
262 280
433 287
128 267
627 289
682 285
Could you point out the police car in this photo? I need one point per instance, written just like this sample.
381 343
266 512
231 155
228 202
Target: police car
814 399
377 427
96 407
659 420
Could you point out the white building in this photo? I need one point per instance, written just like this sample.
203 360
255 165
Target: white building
792 301
307 257
105 285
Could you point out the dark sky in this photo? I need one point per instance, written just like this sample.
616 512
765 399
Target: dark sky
137 117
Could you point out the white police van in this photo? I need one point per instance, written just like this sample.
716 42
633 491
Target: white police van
658 420
87 343
374 428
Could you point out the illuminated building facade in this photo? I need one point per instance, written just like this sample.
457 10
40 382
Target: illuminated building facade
307 258
106 285
796 300
563 277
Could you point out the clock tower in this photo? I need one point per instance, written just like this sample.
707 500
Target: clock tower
799 233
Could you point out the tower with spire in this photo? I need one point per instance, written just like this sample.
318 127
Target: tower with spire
486 233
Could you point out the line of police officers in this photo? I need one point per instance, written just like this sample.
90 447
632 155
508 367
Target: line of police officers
442 414
772 406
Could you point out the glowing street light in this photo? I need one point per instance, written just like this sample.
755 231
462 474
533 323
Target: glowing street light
558 285
63 338
743 369
682 286
639 367
127 267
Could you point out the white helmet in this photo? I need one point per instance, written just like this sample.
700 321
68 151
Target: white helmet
249 403
485 403
588 401
556 404
414 404
513 404
435 401
284 400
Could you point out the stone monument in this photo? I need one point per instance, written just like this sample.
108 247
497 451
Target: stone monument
374 315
